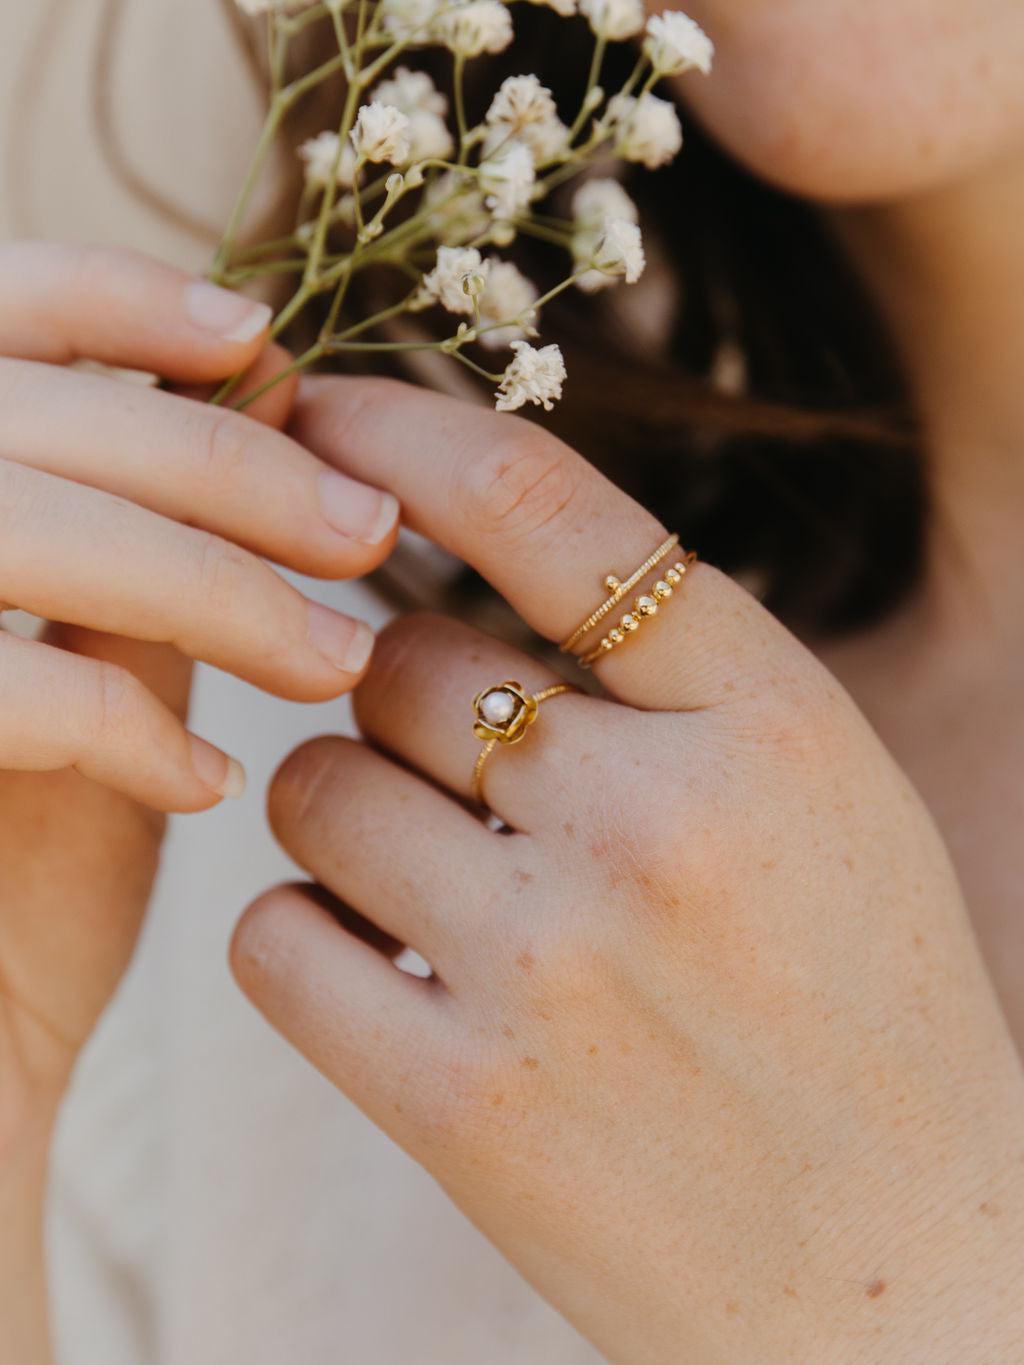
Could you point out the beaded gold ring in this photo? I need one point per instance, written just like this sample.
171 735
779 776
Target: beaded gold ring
618 590
644 607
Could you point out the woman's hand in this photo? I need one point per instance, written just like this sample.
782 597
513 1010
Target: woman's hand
135 521
142 514
709 1052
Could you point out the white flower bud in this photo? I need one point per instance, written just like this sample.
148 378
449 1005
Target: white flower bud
648 129
446 283
475 27
507 299
675 43
614 20
521 100
532 376
507 180
322 161
381 133
411 91
408 20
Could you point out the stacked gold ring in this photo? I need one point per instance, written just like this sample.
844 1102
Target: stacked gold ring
646 605
618 590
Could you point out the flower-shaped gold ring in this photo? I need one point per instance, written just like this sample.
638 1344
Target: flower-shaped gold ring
504 714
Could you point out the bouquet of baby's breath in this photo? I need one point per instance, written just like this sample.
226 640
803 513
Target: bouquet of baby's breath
399 185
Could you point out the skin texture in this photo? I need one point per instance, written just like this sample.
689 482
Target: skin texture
685 1056
909 115
863 102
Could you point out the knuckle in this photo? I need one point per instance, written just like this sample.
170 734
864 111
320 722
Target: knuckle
222 570
298 786
113 701
525 484
396 643
223 442
255 946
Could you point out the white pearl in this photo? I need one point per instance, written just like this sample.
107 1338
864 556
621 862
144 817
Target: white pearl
497 708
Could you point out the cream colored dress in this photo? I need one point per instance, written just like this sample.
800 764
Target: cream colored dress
215 1201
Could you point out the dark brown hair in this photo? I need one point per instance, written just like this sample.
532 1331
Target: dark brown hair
771 425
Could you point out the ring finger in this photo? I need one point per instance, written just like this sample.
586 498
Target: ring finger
416 703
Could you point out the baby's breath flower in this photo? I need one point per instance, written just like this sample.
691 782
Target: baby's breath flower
475 27
596 203
648 129
446 283
614 20
412 92
675 43
507 180
416 95
524 109
521 100
620 252
322 161
532 376
508 297
408 20
456 208
381 133
599 199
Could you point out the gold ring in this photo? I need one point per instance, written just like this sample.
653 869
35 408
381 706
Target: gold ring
645 606
503 716
618 590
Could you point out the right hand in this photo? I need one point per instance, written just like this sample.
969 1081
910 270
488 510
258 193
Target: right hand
133 520
142 514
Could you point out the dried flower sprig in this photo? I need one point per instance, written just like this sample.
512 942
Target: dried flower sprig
404 176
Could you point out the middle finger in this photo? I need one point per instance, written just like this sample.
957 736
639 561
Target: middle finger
73 554
196 463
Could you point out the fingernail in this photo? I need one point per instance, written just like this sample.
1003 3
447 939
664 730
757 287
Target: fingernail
216 770
228 315
355 509
344 643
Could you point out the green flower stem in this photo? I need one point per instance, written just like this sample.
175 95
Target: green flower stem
357 329
271 125
477 369
559 236
596 62
303 362
634 76
458 89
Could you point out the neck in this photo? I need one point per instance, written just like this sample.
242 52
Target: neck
948 270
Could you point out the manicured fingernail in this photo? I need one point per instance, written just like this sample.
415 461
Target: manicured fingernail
355 509
345 643
216 770
228 315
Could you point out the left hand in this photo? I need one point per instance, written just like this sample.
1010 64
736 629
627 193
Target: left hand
709 1052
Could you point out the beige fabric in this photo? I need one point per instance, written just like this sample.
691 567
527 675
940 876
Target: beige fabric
216 1203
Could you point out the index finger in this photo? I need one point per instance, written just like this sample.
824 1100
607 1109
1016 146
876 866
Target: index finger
545 528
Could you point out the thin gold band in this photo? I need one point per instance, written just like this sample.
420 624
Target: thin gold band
523 722
618 592
644 607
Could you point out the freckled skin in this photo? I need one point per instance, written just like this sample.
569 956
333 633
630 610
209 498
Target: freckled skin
859 101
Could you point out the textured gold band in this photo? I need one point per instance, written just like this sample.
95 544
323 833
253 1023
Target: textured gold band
644 607
503 716
618 592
